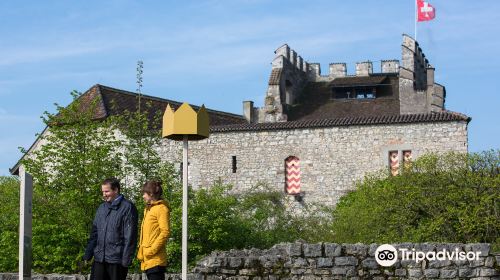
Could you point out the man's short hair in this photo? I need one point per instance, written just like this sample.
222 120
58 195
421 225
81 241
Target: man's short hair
113 183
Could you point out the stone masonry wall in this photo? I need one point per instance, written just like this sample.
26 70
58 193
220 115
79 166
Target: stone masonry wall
331 159
326 261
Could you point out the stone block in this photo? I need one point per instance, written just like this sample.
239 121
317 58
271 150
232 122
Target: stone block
477 263
228 271
346 261
294 249
415 273
339 271
467 272
248 272
300 262
235 262
448 273
371 249
431 273
356 249
216 262
489 261
321 272
484 248
369 263
400 272
439 264
488 272
333 250
324 262
313 250
298 271
251 262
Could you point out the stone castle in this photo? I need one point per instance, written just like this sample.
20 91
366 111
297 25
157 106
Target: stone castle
316 135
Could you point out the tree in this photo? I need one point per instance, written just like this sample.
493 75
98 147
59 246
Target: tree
77 153
9 223
438 198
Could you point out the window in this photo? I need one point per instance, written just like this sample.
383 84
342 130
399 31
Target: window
234 164
357 93
292 175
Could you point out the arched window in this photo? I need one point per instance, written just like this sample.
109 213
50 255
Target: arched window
292 175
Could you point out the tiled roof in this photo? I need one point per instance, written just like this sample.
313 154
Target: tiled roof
115 101
444 116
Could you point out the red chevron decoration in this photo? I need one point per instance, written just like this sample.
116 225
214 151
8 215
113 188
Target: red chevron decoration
292 175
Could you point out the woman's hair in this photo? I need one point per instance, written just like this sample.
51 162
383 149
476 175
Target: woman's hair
153 188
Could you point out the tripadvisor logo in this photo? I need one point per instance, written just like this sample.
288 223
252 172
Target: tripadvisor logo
387 255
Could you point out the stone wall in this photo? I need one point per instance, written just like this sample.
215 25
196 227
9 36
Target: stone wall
331 159
324 261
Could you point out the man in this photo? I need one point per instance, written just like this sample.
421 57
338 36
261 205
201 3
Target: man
113 239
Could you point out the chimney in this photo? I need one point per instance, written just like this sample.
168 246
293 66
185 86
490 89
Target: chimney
430 75
248 110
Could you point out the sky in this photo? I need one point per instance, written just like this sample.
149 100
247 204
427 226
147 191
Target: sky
218 53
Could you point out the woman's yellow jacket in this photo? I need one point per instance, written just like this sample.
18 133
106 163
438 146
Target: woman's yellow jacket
154 235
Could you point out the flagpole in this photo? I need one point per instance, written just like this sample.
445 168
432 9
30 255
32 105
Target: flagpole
416 15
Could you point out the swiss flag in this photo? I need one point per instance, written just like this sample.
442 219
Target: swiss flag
425 11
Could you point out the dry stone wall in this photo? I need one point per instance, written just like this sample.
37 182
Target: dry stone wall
331 159
327 261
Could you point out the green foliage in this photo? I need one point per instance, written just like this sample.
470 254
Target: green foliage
77 153
447 198
220 219
9 223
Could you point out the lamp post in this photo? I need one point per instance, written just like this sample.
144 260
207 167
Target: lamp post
185 124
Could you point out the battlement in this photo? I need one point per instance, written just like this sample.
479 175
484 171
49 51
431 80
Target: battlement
287 56
284 53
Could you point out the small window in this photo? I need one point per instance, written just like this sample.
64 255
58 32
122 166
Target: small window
234 164
355 93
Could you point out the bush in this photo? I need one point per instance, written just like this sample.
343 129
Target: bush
9 223
447 198
220 219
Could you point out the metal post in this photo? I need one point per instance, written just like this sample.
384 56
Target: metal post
25 224
184 207
416 18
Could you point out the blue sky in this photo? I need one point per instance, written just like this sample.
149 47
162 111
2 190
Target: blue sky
219 52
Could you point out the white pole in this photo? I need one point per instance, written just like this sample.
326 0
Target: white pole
25 224
184 207
416 18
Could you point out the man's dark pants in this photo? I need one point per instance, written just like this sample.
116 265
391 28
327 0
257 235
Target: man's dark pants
108 271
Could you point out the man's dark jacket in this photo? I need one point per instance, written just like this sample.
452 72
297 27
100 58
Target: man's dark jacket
114 233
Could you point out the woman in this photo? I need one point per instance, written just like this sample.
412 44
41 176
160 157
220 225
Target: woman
154 232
